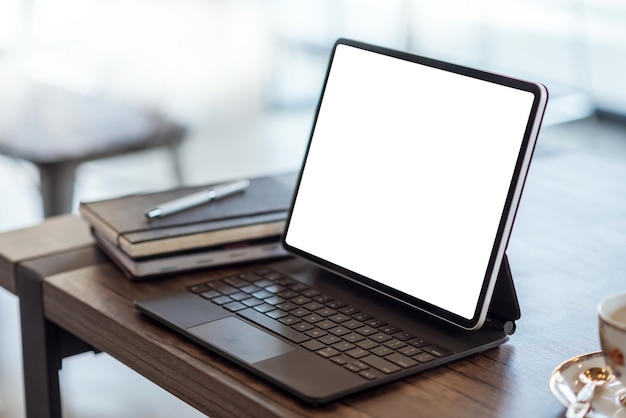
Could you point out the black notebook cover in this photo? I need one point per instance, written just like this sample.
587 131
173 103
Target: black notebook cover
258 212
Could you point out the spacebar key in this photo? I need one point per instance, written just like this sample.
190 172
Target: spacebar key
273 325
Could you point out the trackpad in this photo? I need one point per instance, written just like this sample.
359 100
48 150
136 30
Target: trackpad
240 339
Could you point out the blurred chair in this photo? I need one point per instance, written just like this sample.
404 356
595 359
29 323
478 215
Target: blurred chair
57 129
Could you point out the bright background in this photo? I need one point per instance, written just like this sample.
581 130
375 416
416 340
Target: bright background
244 76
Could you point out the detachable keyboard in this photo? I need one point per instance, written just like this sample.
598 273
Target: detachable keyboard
342 333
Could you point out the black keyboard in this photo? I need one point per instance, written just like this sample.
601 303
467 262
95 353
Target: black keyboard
337 331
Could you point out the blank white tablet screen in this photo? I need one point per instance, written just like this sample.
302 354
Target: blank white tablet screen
407 175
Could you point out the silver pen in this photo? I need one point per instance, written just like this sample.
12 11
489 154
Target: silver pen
199 198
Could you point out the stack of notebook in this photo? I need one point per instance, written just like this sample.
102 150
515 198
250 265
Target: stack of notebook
242 227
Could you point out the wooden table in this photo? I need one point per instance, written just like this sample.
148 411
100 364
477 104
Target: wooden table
567 252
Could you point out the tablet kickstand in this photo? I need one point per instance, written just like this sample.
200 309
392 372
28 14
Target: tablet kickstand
504 309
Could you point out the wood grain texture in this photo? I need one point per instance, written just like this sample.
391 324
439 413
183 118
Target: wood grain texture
56 234
566 254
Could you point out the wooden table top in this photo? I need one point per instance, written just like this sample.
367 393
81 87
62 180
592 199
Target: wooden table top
566 254
56 235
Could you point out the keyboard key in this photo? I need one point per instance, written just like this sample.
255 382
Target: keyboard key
326 324
302 326
339 360
239 296
401 360
389 329
418 342
251 276
250 288
368 375
221 300
322 298
376 323
329 339
300 312
313 345
410 351
289 320
234 306
223 288
348 310
280 279
309 293
328 352
276 314
367 344
366 330
273 275
403 336
339 318
286 306
313 306
263 283
358 353
381 351
380 337
353 337
316 333
269 323
298 287
361 365
395 344
335 304
210 294
300 300
339 331
313 318
380 364
437 351
264 308
343 346
352 324
235 281
251 302
326 312
424 357
362 316
274 300
262 294
352 367
198 288
287 294
275 288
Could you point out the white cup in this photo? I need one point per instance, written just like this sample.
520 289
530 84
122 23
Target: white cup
612 327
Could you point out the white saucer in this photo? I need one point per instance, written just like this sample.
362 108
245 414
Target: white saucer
564 385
